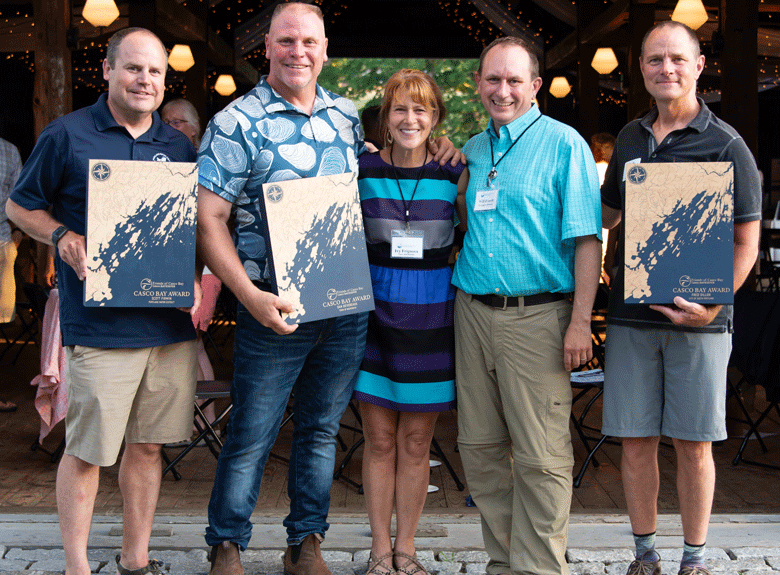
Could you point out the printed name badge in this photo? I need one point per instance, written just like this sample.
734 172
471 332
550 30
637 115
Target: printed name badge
486 200
407 244
628 165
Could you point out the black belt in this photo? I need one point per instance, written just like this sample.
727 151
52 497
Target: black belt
503 302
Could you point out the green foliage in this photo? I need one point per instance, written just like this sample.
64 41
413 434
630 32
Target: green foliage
361 80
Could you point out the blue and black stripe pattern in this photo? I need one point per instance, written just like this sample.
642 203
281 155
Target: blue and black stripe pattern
409 362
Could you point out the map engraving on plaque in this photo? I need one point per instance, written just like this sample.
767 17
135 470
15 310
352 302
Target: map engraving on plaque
318 258
679 232
140 233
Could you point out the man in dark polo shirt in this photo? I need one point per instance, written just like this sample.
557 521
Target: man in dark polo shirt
666 365
131 371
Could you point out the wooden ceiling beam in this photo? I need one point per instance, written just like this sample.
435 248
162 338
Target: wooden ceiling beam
565 12
566 50
251 34
222 55
19 35
506 22
179 22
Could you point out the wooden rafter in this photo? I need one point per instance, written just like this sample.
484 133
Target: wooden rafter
505 21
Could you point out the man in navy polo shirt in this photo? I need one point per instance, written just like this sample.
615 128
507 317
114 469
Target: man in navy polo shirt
131 371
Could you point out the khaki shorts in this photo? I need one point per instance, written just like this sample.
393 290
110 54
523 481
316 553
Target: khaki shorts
143 395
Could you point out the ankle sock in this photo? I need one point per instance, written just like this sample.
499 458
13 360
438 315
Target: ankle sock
645 543
693 555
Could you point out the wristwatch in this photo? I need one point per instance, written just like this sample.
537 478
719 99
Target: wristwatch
57 234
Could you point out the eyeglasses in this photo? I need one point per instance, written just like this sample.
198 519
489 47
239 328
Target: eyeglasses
176 122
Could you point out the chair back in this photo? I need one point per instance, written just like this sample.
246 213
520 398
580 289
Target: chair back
756 339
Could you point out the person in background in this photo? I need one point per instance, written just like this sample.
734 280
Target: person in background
131 371
10 236
408 374
370 120
601 145
182 115
666 365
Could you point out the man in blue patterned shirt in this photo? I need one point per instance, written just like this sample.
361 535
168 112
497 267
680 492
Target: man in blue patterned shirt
534 224
286 127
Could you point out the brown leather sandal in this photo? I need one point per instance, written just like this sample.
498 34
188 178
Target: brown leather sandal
379 567
412 565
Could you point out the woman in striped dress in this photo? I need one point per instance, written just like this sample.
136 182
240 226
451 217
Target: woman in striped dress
407 376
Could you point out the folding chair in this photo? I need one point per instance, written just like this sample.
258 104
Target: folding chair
208 392
756 354
768 276
30 315
589 384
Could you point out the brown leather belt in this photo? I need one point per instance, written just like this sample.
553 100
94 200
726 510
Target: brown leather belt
503 302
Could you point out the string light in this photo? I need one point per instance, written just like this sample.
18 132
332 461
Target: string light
229 15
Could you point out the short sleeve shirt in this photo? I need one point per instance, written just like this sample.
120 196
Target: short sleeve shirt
262 138
705 139
10 166
547 196
56 175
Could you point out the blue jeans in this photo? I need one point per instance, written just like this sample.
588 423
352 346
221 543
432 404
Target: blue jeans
318 362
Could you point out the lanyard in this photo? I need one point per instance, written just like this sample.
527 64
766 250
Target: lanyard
493 173
414 191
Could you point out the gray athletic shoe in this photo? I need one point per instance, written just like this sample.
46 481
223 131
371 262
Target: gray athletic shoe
694 570
644 565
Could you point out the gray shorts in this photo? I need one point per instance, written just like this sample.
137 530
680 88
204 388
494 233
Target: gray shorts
665 382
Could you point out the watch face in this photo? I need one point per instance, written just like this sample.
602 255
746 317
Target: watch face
57 235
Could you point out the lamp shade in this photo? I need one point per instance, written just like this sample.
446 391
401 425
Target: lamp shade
559 87
225 85
180 58
604 60
691 13
100 12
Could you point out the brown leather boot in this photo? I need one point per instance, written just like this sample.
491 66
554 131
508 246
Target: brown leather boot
305 559
225 559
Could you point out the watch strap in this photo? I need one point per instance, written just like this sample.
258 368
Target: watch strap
57 234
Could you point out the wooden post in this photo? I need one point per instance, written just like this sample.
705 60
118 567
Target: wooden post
588 84
195 80
641 18
738 80
739 69
53 85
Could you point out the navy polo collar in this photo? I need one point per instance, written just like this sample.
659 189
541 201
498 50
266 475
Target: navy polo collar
104 121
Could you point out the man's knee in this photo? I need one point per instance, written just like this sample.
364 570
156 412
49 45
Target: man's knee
638 451
146 453
693 453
